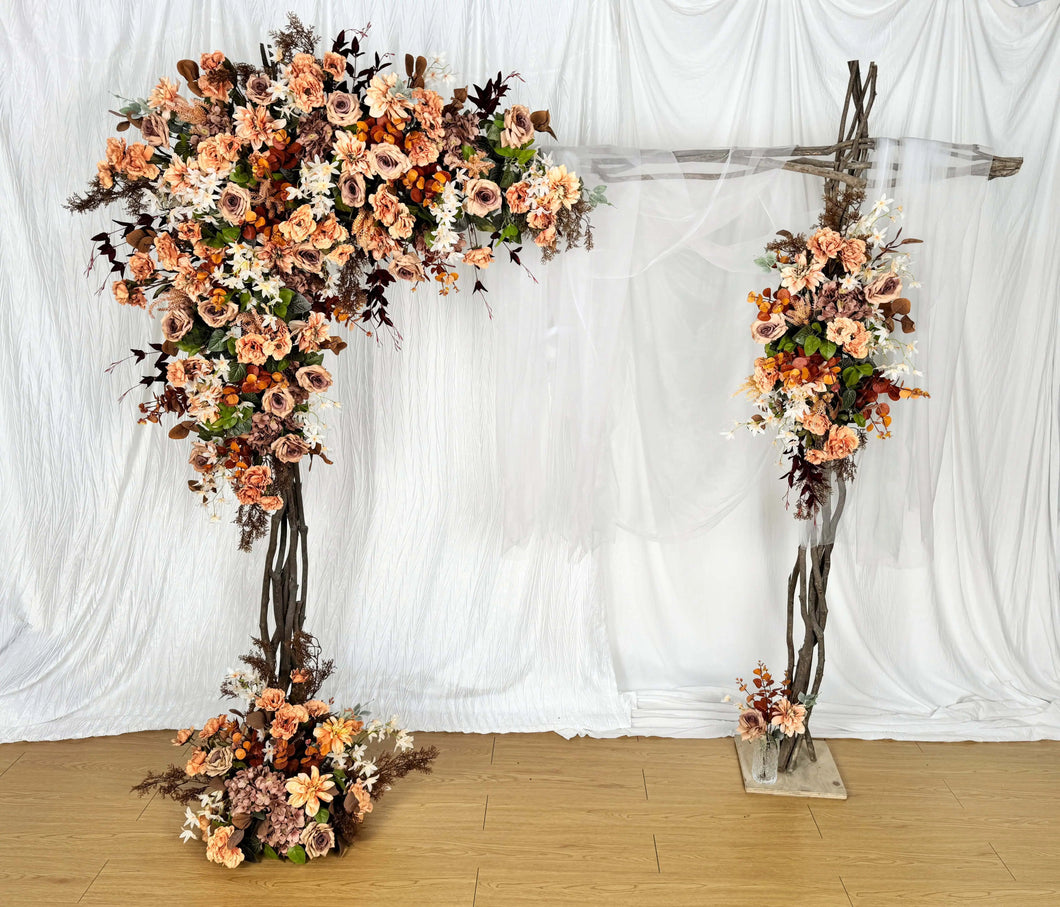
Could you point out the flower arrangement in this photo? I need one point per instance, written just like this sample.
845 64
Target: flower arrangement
291 777
767 710
270 202
831 364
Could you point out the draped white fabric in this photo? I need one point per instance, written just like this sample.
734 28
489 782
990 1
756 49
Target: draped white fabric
533 520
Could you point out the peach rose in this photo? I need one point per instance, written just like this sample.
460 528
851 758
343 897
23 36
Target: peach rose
483 196
407 267
289 448
859 346
313 378
183 736
334 65
278 401
766 331
197 763
138 162
842 442
518 196
342 109
317 707
105 175
518 130
420 149
480 257
300 225
116 150
825 244
212 159
142 266
541 219
308 91
329 232
250 349
278 345
842 330
120 289
816 457
403 224
271 699
816 423
564 186
341 254
387 161
197 368
175 373
385 204
247 496
270 503
167 251
546 238
211 61
852 254
259 477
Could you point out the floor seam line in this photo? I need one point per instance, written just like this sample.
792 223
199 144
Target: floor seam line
12 765
1003 863
93 882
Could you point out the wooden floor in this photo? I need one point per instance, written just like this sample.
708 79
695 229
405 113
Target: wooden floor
538 820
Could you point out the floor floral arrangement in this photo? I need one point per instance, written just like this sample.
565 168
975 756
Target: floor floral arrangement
831 366
290 777
767 716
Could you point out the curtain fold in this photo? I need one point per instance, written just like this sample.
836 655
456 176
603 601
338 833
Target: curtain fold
533 520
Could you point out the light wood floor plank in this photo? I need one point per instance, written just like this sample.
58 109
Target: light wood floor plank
536 819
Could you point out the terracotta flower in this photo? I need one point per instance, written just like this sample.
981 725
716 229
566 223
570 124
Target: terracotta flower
309 791
271 699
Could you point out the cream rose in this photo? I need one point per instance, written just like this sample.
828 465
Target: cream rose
155 131
518 129
218 761
884 289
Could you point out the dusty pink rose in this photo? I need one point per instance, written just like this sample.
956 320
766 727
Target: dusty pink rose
313 378
483 196
407 267
518 130
842 442
317 838
308 258
766 331
142 266
155 131
852 254
278 401
234 203
202 457
752 724
518 196
176 323
817 423
217 311
334 65
387 161
342 109
825 244
351 189
480 257
883 289
289 448
250 349
259 89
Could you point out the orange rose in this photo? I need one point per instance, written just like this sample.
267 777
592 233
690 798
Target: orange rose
518 196
852 254
271 699
480 257
825 244
197 763
817 423
142 266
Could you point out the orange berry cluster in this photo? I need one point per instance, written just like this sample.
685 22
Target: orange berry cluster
423 183
258 380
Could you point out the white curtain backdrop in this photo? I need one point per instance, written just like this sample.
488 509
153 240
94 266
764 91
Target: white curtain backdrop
533 520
